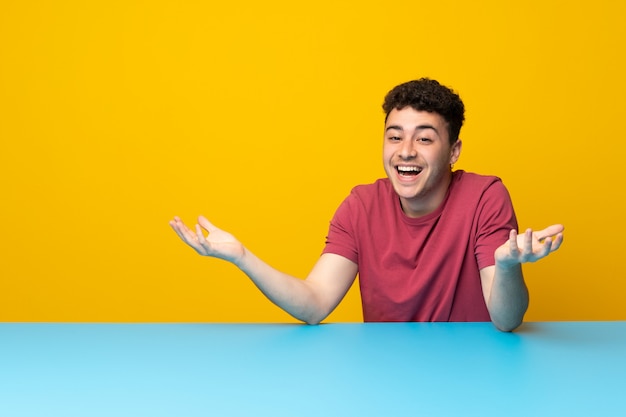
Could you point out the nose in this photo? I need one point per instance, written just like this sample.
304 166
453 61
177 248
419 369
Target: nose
408 150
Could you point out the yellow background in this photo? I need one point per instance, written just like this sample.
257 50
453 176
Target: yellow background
117 115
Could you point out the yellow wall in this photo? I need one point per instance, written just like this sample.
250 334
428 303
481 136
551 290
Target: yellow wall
117 115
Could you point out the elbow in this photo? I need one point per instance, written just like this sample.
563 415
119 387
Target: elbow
313 320
507 327
314 313
509 319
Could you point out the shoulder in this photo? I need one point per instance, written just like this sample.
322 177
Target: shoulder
478 194
378 186
374 192
375 199
468 183
468 179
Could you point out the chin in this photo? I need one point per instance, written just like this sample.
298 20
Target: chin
407 192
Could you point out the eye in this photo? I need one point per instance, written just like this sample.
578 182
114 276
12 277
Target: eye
424 140
395 138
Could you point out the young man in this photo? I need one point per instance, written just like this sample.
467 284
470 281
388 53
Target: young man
429 244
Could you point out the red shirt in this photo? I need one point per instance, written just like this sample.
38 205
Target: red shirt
426 268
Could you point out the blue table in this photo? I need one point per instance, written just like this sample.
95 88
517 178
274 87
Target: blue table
405 369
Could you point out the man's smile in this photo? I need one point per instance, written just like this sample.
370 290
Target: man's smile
408 170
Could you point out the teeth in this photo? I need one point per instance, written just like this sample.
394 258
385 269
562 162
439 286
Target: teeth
408 169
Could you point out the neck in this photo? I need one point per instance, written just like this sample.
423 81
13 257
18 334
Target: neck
426 204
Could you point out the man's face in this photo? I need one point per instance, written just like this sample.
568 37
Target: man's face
417 155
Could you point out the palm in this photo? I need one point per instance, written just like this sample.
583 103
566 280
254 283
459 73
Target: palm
530 246
217 243
221 244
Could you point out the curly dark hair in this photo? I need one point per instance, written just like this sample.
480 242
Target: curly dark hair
426 94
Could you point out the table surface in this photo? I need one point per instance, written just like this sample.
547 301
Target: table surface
404 369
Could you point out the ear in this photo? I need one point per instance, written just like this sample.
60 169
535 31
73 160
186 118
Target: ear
455 152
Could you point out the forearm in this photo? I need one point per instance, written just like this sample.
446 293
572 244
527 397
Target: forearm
508 298
504 288
293 295
310 300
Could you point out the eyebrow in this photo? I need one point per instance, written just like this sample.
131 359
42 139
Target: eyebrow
417 128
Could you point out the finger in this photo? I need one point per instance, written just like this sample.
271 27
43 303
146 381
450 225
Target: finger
549 231
202 239
513 242
528 241
186 231
204 247
557 242
182 231
545 248
176 223
190 239
199 233
206 224
176 228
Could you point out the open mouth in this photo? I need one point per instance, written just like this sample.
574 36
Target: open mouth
408 171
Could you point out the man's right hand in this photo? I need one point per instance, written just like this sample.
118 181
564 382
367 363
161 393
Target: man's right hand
217 244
